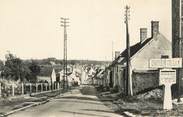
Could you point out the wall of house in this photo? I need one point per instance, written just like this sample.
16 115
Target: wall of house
115 76
121 79
118 78
155 49
108 77
144 80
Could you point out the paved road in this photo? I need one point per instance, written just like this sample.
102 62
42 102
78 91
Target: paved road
71 104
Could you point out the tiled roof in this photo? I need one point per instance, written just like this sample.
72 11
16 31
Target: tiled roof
133 50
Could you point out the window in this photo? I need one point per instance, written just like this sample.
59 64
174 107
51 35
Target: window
164 56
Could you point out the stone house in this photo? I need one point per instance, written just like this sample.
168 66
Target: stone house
143 77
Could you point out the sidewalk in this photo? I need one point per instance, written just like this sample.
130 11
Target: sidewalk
12 104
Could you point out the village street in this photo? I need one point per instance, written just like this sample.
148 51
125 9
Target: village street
70 104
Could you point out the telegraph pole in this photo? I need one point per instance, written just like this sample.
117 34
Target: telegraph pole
128 75
64 23
112 50
180 71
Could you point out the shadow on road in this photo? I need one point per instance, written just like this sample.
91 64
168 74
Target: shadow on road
95 110
88 90
78 101
79 98
86 114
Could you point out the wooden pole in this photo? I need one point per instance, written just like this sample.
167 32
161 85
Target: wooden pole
30 88
57 86
180 71
36 87
46 86
49 86
22 88
41 87
13 89
0 91
128 73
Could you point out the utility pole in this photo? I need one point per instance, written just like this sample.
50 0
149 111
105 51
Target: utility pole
64 23
128 62
112 50
180 71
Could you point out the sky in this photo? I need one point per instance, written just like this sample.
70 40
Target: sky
31 29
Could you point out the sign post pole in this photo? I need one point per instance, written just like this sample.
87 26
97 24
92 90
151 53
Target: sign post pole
167 101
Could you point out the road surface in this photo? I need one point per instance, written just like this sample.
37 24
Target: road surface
71 104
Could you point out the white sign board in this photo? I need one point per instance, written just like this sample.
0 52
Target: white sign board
166 63
167 76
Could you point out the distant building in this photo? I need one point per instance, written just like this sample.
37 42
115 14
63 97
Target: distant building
44 78
143 77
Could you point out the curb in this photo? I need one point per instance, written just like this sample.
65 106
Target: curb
129 114
23 108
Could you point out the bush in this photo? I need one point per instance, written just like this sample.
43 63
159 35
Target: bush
100 88
115 89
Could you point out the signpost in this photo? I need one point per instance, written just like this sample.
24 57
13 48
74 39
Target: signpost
167 76
166 63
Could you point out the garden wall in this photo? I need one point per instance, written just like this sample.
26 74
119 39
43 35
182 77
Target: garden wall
144 80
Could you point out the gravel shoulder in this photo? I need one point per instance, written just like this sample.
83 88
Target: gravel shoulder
11 104
146 104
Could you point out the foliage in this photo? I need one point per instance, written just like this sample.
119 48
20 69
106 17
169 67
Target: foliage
115 89
1 65
15 69
18 70
35 70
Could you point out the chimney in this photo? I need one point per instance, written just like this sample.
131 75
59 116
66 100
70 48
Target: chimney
143 34
154 28
117 53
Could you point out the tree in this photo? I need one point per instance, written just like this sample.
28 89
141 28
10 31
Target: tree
35 70
15 69
1 65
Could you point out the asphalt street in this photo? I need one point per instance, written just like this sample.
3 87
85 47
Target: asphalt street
71 104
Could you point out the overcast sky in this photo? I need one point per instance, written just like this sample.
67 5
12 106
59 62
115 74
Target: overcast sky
31 28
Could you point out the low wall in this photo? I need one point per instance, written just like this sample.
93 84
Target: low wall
144 80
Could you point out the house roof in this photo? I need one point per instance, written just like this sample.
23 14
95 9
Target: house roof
134 49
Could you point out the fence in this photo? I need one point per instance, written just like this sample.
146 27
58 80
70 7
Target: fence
9 90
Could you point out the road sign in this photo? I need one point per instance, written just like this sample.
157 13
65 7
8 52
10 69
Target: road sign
166 63
167 76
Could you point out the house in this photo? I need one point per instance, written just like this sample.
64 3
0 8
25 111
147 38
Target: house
143 77
46 71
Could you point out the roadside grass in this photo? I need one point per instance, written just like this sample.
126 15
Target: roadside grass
147 104
10 104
